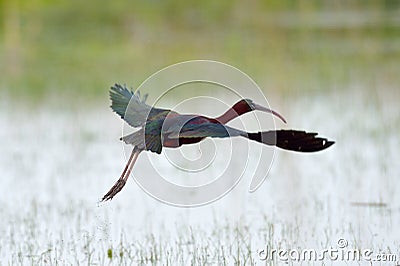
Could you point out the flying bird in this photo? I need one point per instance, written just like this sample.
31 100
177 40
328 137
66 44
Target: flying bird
160 128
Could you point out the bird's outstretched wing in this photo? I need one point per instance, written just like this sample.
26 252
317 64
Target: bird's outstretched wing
292 140
131 107
213 130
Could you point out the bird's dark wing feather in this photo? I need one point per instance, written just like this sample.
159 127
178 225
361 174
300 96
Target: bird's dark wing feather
301 141
293 140
130 107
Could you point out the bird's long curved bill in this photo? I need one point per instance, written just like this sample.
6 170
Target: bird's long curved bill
124 176
265 109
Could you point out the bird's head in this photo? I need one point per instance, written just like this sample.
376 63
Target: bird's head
248 105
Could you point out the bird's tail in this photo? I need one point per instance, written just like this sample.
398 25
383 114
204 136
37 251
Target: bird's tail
143 142
293 140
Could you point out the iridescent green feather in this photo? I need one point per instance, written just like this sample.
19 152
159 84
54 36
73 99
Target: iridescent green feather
130 107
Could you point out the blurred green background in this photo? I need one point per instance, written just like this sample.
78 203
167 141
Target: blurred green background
77 49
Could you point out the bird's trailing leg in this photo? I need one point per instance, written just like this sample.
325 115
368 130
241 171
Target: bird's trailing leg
124 177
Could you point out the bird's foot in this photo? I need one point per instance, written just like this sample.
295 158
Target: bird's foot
114 190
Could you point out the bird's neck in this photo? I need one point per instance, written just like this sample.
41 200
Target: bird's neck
227 116
237 110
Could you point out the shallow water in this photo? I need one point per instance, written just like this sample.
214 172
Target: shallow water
56 165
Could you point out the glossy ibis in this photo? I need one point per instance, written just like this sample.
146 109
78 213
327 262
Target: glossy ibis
160 128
